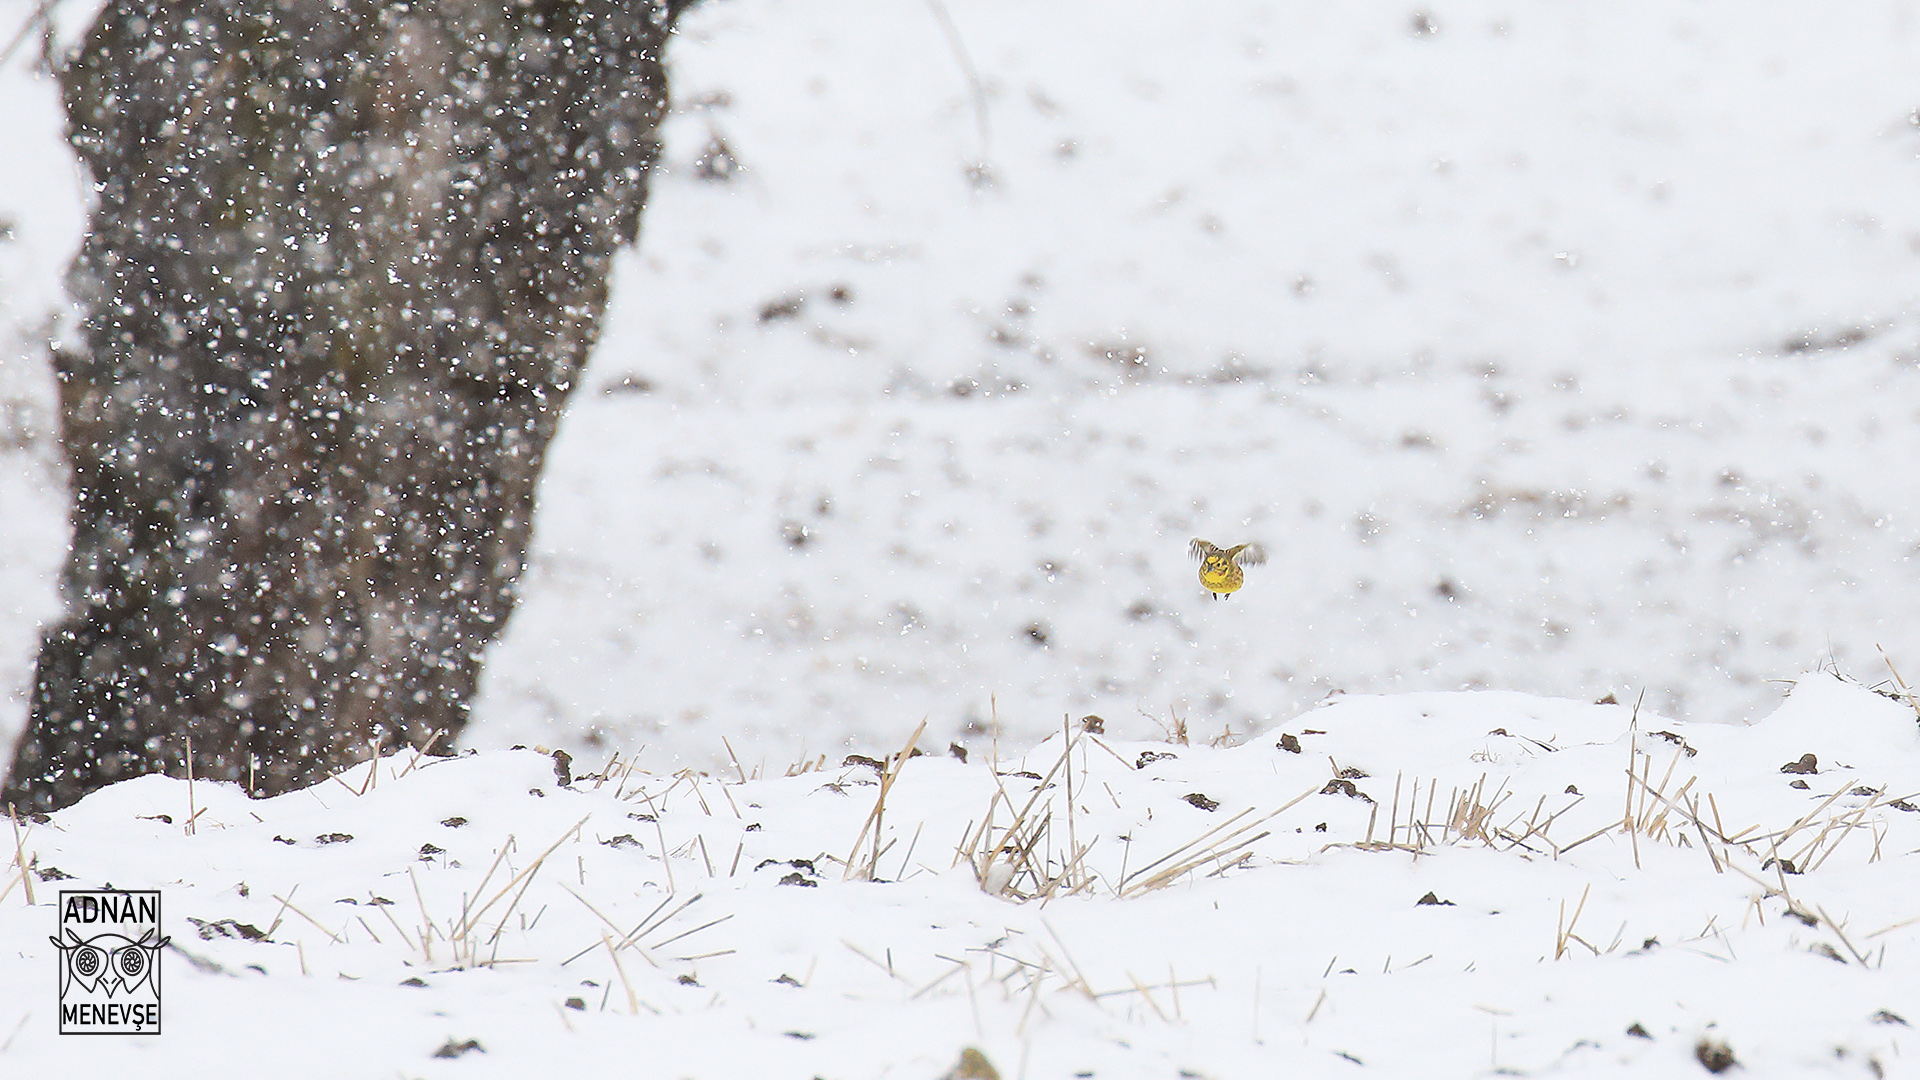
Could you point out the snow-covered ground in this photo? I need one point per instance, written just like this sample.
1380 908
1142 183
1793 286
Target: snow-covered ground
1555 349
1435 884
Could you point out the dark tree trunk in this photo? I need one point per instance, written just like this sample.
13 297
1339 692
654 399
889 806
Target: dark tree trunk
346 263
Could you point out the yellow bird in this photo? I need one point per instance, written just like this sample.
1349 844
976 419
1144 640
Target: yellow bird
1220 567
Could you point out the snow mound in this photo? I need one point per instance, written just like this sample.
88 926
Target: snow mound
1427 884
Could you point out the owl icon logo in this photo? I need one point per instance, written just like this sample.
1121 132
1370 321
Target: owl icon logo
109 960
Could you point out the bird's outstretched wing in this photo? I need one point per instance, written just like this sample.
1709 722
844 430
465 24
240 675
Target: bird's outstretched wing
1199 548
1251 555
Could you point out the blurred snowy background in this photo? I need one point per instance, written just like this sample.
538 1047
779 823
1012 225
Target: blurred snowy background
1553 348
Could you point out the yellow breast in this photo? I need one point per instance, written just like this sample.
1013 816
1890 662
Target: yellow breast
1219 575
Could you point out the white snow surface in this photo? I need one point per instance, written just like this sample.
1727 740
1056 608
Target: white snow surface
1549 350
1219 912
1556 350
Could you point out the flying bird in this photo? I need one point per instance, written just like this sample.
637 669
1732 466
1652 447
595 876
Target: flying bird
1220 567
